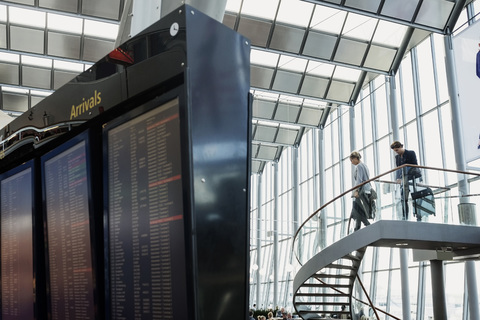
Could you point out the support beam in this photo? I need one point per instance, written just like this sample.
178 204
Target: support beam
258 261
276 226
403 252
438 290
470 275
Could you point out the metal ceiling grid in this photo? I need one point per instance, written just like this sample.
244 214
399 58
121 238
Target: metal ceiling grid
54 31
110 9
308 56
437 16
362 37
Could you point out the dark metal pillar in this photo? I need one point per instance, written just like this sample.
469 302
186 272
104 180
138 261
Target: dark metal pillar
438 290
138 15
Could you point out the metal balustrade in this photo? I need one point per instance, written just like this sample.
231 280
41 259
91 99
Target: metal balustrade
439 226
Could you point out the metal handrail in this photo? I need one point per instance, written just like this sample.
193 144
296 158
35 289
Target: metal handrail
374 179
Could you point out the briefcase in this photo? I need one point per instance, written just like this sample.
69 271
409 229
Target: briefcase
424 202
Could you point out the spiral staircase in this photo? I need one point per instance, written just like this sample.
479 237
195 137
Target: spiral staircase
329 290
325 282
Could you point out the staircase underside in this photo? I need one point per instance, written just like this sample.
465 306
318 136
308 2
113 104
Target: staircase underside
324 283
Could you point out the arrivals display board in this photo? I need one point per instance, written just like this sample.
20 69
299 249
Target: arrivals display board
140 172
146 250
17 255
69 246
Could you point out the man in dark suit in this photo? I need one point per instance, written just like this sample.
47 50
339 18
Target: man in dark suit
404 156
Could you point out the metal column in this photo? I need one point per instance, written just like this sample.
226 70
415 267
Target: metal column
296 204
403 252
470 275
418 104
341 168
456 114
353 142
275 233
322 221
374 172
321 175
259 240
296 186
438 290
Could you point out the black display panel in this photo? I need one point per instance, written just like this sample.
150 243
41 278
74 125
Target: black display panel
146 250
69 247
17 268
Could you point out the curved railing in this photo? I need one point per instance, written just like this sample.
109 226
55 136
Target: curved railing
455 195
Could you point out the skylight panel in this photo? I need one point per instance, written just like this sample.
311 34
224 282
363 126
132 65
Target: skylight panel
347 74
36 61
233 6
26 17
39 93
14 90
389 33
359 27
295 12
292 64
314 103
57 22
265 9
263 58
3 13
265 95
289 126
101 29
328 19
9 57
68 66
267 123
320 69
290 99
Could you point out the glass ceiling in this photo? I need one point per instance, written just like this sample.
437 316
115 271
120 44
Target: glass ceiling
308 57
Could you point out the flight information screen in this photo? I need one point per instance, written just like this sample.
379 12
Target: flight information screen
17 273
68 234
145 216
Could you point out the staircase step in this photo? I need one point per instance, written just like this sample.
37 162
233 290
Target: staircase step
321 285
328 312
342 270
352 257
339 266
333 295
327 303
334 276
316 316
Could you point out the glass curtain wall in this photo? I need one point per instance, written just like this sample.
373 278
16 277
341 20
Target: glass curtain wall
424 118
